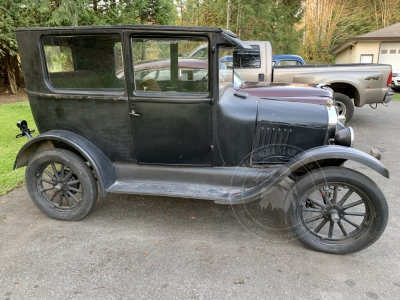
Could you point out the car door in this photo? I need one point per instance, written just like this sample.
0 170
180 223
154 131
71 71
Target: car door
169 106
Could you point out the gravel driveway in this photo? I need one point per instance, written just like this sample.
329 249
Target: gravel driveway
136 247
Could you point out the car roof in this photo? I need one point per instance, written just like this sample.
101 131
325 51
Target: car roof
102 29
286 56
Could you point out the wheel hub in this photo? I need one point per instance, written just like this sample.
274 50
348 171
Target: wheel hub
341 107
333 212
335 217
58 187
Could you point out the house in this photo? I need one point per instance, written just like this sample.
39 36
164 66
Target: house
379 46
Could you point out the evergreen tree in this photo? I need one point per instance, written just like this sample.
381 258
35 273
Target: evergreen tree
35 13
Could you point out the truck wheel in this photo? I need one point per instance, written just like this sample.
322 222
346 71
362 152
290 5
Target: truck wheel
61 184
345 105
336 210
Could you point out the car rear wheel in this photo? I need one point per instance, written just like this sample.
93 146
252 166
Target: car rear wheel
345 105
61 184
337 210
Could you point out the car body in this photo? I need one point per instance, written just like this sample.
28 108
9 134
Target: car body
109 123
189 69
287 60
196 69
307 93
395 80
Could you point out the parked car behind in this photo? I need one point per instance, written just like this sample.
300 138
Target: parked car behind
287 60
156 76
396 80
307 93
354 84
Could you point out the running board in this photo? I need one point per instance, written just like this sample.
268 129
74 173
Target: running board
219 184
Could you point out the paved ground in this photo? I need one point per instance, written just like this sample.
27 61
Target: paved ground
135 247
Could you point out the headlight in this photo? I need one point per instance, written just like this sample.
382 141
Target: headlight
338 133
344 137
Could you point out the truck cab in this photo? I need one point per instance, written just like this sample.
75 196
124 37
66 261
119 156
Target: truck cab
287 60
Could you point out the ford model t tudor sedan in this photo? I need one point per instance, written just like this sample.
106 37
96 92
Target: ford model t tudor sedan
123 109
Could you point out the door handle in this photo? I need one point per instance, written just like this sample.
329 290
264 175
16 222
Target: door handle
133 113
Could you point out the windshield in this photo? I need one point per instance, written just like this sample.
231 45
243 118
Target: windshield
227 74
237 80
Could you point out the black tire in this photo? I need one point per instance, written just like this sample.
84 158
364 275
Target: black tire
345 105
312 215
61 184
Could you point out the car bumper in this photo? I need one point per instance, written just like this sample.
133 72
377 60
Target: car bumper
388 97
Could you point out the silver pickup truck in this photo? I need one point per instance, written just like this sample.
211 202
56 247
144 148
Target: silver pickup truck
354 84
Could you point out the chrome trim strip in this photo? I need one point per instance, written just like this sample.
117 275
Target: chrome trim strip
332 122
352 136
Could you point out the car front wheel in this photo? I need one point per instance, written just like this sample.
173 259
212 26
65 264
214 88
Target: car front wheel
336 210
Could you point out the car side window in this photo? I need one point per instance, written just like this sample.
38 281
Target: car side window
161 65
84 62
289 63
247 58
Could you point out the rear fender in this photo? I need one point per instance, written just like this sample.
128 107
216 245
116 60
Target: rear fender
101 164
364 89
354 81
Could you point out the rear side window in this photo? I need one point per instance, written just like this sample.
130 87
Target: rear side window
84 62
247 58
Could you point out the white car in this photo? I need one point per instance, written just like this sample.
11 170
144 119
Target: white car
396 80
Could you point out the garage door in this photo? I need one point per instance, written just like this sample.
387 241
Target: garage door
390 54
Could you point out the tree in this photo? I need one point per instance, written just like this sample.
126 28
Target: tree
329 23
386 12
273 20
32 13
12 15
104 12
56 12
321 20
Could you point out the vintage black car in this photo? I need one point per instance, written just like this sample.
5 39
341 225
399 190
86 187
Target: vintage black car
184 134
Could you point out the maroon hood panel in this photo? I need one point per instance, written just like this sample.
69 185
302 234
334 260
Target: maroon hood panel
309 93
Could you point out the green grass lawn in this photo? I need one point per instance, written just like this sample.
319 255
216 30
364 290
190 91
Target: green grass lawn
9 145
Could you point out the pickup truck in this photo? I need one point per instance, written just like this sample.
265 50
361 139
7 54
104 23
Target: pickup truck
353 84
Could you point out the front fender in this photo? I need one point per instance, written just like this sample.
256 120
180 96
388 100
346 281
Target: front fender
303 159
337 152
101 164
